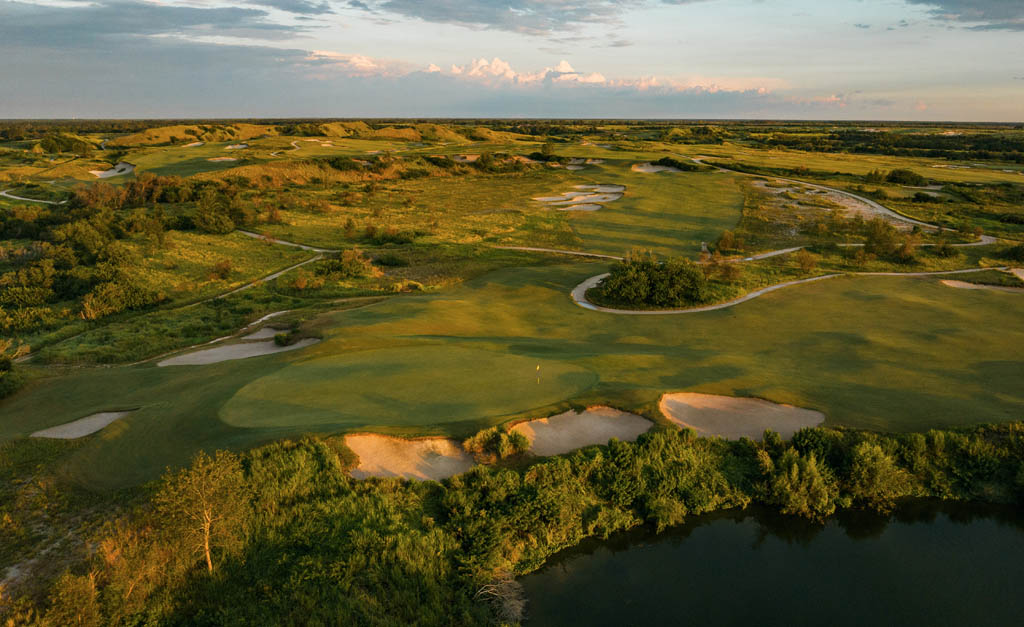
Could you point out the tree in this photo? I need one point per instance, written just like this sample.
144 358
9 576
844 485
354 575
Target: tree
808 261
875 479
206 506
801 485
212 213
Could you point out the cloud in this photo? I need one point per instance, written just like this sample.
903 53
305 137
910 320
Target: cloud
95 24
978 14
864 26
326 61
523 16
300 7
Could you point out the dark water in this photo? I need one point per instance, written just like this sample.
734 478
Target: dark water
928 564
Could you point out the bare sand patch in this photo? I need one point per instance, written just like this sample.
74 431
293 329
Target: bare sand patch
230 352
733 417
1017 272
569 431
81 427
222 159
650 168
119 169
194 145
964 285
466 158
424 459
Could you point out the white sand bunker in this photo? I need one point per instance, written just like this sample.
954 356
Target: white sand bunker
569 431
194 144
119 169
594 161
587 198
237 147
262 334
964 285
733 418
573 167
229 352
650 168
577 161
423 459
583 207
81 427
223 159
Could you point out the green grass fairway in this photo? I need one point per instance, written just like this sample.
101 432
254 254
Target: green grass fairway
403 387
881 353
669 213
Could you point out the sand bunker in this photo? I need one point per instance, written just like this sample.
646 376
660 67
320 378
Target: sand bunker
117 170
583 207
573 167
237 147
230 352
733 417
423 459
194 144
569 431
577 161
602 189
466 158
594 161
650 168
81 427
964 285
589 198
223 159
262 334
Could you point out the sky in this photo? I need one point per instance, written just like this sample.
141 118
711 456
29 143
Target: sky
957 60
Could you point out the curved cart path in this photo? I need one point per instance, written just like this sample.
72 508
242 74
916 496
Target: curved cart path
7 194
579 293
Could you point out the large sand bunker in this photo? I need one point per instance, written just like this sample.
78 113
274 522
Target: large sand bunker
215 159
81 427
650 168
119 169
586 198
230 352
733 417
423 459
569 431
964 285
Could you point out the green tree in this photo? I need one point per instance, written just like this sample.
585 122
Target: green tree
875 480
802 486
207 505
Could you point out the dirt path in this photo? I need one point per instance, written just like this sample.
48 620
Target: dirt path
283 242
579 293
7 194
556 251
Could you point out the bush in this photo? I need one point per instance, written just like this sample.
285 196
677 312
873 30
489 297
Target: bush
351 264
391 260
641 280
902 176
496 443
221 270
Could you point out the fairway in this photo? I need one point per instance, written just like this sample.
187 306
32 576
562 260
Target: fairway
404 387
883 353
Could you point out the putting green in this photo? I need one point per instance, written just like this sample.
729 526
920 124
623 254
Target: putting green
404 386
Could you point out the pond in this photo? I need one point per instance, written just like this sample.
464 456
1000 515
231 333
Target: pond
927 564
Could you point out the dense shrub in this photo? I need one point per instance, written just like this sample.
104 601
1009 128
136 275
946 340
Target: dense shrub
902 176
642 280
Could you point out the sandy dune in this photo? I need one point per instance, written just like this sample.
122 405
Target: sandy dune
423 459
81 427
732 417
230 352
569 431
